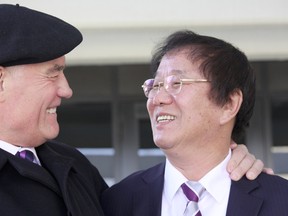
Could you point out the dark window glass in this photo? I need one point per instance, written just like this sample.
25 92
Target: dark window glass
146 137
278 89
86 125
280 123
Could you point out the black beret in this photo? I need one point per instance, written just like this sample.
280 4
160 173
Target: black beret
28 36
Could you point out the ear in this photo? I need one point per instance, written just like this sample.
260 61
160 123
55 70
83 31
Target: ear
2 75
231 108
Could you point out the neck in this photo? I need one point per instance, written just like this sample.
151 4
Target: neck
195 163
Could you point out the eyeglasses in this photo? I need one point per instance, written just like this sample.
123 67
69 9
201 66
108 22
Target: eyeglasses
172 84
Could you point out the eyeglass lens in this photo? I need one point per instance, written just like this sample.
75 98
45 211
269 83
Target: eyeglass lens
172 85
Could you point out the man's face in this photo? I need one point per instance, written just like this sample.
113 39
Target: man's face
188 117
30 97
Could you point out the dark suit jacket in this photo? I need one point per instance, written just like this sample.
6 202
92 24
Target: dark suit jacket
66 184
141 195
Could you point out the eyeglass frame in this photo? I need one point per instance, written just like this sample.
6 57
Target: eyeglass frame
184 81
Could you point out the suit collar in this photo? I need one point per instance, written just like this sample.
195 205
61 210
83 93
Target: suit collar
241 200
154 173
29 170
55 163
57 167
50 158
148 198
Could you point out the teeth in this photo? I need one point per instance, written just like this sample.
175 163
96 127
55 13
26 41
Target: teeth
165 118
51 110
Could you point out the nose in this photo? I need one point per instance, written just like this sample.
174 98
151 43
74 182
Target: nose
162 97
64 89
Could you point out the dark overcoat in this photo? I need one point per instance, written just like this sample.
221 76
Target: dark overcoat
66 184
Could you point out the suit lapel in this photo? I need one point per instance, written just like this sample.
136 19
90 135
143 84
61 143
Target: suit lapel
55 163
148 199
62 169
79 196
241 200
30 170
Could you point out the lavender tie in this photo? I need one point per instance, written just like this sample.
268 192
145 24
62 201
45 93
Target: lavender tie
192 208
27 155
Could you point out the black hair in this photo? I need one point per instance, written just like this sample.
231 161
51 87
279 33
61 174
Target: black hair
224 65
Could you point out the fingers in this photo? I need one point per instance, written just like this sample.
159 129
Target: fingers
243 163
233 145
238 154
255 170
268 171
249 166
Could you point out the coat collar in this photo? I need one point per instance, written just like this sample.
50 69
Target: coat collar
148 199
241 200
29 170
58 165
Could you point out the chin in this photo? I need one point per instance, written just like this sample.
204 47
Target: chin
52 133
161 143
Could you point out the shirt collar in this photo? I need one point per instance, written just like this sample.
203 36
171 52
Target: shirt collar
219 176
12 149
173 179
9 147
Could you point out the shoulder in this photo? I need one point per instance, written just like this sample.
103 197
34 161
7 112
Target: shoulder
60 146
141 177
274 182
62 149
136 181
266 180
266 195
264 186
71 155
139 187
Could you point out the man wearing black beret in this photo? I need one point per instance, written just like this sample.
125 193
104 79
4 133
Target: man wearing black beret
39 176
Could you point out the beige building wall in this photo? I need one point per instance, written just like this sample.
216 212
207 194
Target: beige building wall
126 31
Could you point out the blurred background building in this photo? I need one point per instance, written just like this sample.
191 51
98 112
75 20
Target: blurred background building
107 119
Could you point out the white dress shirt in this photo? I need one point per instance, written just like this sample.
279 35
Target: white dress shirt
14 149
213 201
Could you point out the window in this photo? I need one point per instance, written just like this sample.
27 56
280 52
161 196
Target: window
86 125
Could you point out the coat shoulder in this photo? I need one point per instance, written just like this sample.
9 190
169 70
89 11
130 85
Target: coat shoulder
266 195
263 183
273 181
139 178
62 148
138 194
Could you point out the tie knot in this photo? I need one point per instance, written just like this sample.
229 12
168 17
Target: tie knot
192 194
26 154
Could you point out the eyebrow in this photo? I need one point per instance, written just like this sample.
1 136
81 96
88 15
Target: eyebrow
58 67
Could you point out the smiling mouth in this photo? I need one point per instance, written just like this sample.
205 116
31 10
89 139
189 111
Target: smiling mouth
165 118
51 110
